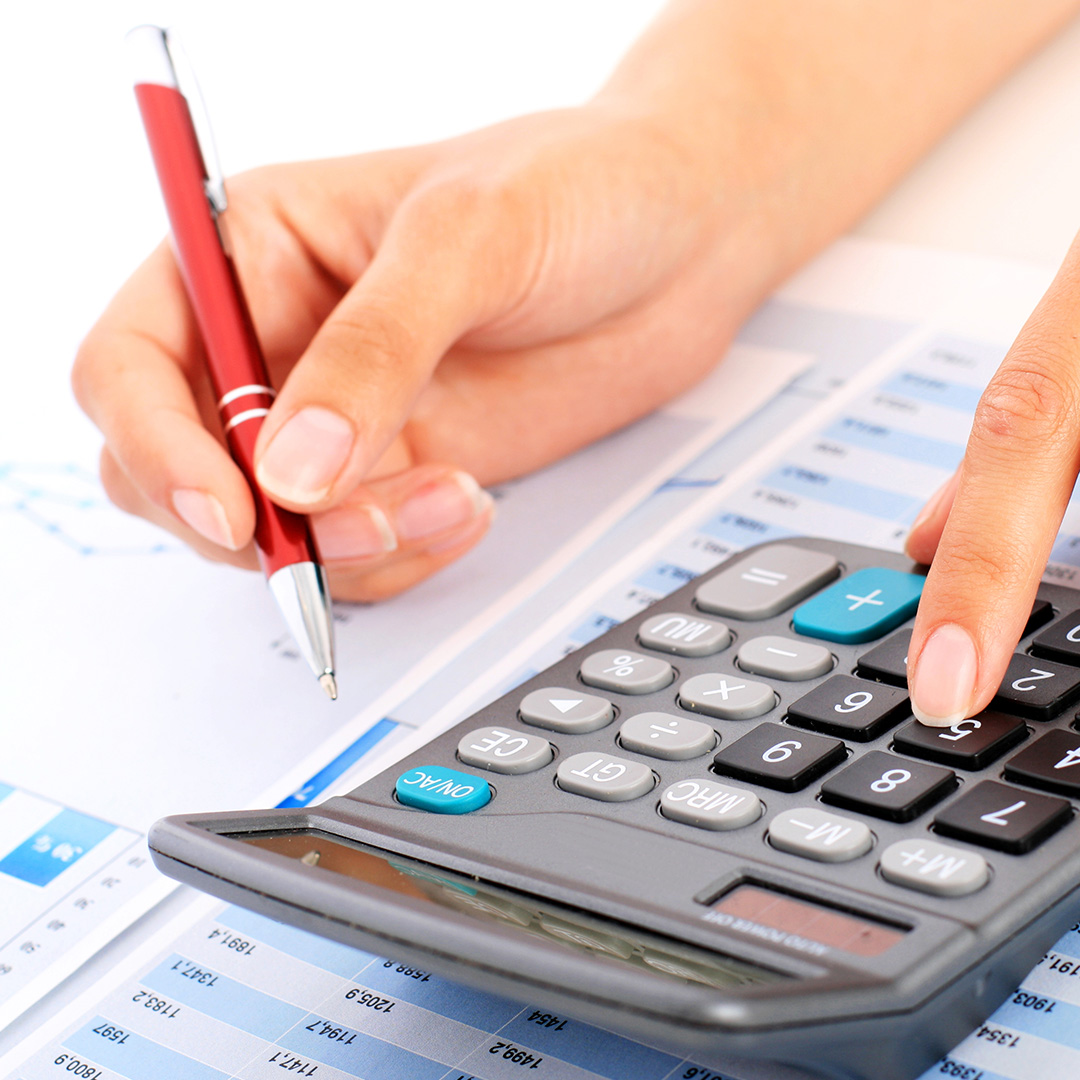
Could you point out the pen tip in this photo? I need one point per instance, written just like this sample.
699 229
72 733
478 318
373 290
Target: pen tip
329 684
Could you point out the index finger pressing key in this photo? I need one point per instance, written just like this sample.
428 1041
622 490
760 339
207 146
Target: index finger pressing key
1014 483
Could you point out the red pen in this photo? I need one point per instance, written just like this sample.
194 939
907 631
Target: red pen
194 193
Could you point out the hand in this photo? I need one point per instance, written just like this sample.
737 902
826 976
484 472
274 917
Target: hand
452 315
474 309
990 529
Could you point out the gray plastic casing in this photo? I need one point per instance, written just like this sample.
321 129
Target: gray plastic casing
887 1017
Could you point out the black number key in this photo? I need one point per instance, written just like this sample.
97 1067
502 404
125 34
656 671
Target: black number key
1051 762
779 757
1037 689
888 661
968 744
1042 611
998 816
888 787
1060 641
850 707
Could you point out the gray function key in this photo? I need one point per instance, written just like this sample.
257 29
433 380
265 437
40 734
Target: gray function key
626 672
662 735
729 697
504 751
784 658
569 711
684 635
817 834
933 868
597 775
705 804
766 582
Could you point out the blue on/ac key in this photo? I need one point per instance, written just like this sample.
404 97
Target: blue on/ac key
860 607
442 791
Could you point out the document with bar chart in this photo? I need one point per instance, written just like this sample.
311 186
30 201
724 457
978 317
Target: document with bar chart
64 876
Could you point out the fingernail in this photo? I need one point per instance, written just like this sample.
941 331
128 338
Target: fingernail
433 509
306 455
944 679
931 506
354 532
205 514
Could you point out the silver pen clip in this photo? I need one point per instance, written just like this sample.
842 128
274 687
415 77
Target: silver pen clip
159 58
188 86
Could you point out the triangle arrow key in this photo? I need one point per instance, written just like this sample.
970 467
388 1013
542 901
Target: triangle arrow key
564 705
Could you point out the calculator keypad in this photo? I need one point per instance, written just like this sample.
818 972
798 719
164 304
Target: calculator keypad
1052 762
862 607
1042 611
779 758
568 711
766 583
888 661
684 635
1037 689
1060 642
934 868
998 816
439 790
504 751
727 697
850 708
784 658
601 776
626 672
819 835
663 735
833 798
969 744
707 804
888 787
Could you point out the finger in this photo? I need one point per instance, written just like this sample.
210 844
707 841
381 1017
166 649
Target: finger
925 534
348 396
388 536
127 497
500 415
392 533
1015 482
136 385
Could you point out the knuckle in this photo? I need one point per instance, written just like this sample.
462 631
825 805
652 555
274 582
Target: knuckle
374 334
972 561
86 370
484 213
462 197
1027 401
255 185
975 570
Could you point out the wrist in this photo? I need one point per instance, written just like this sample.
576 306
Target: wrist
806 114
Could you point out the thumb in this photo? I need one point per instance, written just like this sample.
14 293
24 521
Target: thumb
356 383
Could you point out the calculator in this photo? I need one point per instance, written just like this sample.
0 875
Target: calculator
716 828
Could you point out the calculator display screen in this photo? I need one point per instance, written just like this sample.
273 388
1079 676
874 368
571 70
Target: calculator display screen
616 942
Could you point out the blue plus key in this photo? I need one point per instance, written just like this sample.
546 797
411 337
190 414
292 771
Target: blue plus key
860 607
442 791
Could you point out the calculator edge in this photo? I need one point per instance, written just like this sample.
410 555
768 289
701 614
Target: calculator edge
190 850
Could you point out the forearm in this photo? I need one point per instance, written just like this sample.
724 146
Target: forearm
821 105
